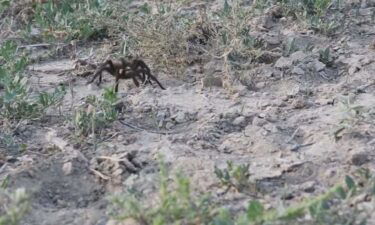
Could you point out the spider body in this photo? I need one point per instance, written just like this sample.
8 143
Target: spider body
122 69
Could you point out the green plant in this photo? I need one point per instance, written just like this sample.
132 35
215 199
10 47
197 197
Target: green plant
178 205
314 12
352 115
70 19
99 114
290 47
13 206
232 41
237 177
4 5
17 101
172 205
326 57
160 36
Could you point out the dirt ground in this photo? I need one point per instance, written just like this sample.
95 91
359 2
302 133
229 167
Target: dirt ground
286 125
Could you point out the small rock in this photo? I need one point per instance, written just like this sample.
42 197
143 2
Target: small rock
265 104
273 40
329 173
180 117
263 115
67 168
120 138
319 66
162 115
128 221
211 81
353 69
225 148
239 121
298 71
284 20
308 187
35 32
241 90
93 87
259 121
271 128
232 113
298 103
278 103
260 85
283 63
360 158
297 56
117 172
146 109
287 196
169 125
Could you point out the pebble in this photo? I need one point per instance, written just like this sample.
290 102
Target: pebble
259 122
319 66
67 168
298 71
298 103
308 187
211 81
169 125
239 121
359 158
180 117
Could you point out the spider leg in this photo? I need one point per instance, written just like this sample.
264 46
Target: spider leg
143 75
156 80
111 69
135 81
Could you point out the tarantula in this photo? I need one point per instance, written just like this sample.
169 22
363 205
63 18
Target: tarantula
123 69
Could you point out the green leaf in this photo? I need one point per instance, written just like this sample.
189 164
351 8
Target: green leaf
227 8
223 218
341 192
255 210
349 182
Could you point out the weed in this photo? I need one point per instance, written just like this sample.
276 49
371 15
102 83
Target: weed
352 115
326 57
4 5
290 47
160 36
237 177
13 206
314 12
69 19
99 114
172 206
179 206
16 100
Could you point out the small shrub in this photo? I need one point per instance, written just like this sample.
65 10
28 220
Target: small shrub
99 114
13 206
16 100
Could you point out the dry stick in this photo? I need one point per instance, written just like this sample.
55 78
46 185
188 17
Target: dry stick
104 177
293 135
150 131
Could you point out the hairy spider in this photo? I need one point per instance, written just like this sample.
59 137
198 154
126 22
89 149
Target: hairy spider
123 69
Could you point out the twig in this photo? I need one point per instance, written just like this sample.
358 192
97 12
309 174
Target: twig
150 131
104 177
3 167
35 45
293 135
